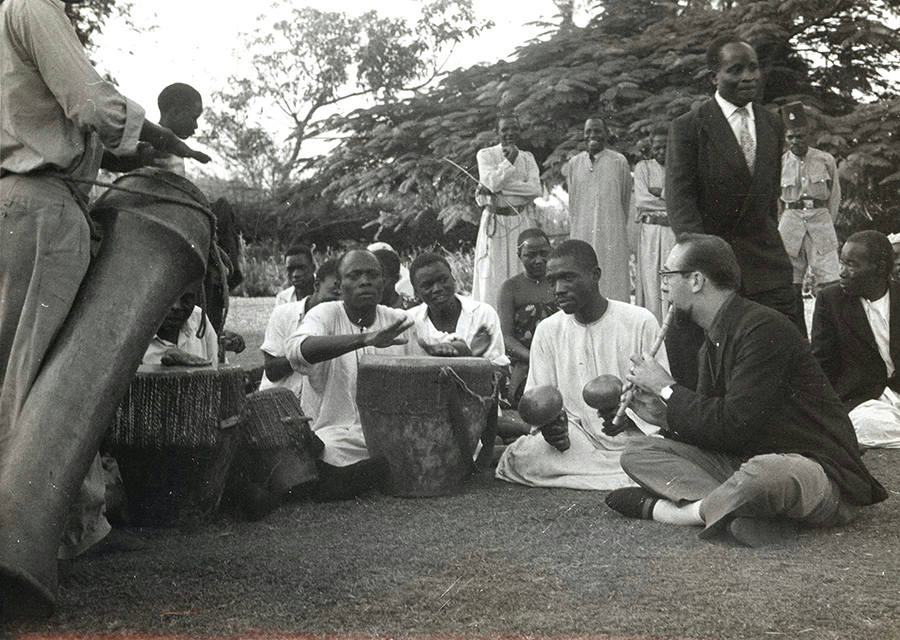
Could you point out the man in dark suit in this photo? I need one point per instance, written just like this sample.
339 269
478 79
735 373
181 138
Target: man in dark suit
764 444
856 338
723 177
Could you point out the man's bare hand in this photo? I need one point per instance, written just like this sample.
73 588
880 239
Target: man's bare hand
390 335
439 349
511 152
556 433
481 341
648 374
164 139
231 341
175 357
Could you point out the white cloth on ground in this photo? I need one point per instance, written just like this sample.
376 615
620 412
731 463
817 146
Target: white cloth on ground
877 422
332 383
599 205
567 355
283 323
472 316
496 259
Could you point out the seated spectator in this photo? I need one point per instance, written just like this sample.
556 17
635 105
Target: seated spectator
403 286
856 338
590 336
301 269
445 316
390 266
326 349
525 300
284 322
185 337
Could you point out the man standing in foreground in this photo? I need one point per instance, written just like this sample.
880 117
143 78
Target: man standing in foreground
723 177
764 444
590 336
856 338
599 185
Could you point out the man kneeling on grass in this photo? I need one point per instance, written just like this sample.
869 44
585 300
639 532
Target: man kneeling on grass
764 444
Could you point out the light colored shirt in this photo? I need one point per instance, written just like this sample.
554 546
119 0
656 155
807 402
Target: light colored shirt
734 118
567 355
288 295
647 174
810 177
878 313
52 100
283 323
472 316
519 182
206 347
331 384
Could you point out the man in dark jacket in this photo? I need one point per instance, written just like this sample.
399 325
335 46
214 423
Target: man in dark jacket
856 338
764 443
723 177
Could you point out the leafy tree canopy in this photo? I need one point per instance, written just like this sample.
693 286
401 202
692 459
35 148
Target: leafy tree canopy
639 64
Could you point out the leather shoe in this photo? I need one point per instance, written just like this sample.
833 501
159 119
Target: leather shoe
632 502
117 541
761 532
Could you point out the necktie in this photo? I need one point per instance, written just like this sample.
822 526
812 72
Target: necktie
745 139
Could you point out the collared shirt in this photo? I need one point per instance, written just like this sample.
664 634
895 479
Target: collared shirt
288 295
647 174
878 313
472 316
809 177
52 100
206 347
734 119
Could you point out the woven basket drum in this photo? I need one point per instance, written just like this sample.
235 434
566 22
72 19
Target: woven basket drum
174 437
424 416
276 450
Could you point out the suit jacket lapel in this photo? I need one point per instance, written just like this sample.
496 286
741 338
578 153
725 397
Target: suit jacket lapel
720 133
856 320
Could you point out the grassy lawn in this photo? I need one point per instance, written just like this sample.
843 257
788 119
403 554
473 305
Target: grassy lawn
496 560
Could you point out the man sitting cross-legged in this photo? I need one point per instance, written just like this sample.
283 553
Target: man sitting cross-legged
764 443
590 336
284 322
444 316
856 338
326 349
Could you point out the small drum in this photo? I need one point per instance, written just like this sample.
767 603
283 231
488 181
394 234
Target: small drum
174 437
278 448
424 416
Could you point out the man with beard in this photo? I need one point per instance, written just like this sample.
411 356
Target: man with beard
856 338
599 185
656 236
723 177
510 182
301 270
326 349
590 336
764 444
810 198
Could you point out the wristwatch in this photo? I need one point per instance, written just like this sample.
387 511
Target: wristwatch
666 393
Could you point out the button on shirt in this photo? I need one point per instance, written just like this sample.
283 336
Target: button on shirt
52 101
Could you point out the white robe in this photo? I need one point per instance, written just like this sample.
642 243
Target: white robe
496 258
599 202
568 355
332 383
656 241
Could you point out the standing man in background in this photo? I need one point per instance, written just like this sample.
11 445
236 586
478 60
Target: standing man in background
656 236
510 181
723 177
599 185
810 198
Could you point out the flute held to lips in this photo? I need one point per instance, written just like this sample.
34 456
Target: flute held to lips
628 389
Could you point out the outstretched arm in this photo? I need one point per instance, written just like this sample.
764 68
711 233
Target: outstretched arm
317 349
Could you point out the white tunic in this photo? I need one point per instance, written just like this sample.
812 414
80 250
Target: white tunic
567 355
283 323
472 316
206 347
332 384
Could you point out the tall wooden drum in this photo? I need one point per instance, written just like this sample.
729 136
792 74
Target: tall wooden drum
174 437
425 416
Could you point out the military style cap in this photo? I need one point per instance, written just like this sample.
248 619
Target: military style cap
794 116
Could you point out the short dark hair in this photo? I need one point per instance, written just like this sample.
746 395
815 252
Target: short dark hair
176 95
878 247
580 251
713 257
714 51
528 234
390 262
299 250
600 119
346 254
327 269
508 116
423 260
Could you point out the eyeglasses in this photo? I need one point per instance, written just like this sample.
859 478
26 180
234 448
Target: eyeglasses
665 273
